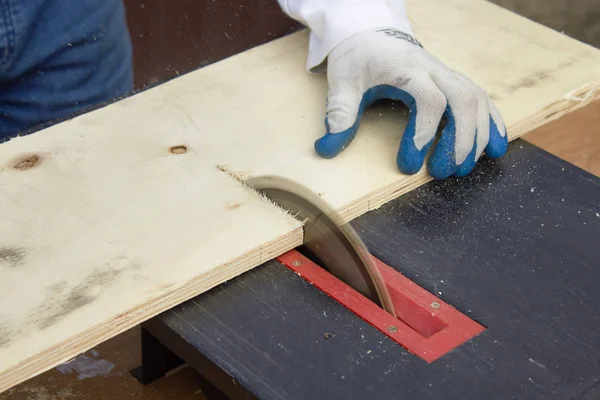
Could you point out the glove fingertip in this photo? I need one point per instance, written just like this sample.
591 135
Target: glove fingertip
442 163
332 144
468 165
498 144
410 159
441 167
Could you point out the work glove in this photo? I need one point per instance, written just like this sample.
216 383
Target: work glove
388 64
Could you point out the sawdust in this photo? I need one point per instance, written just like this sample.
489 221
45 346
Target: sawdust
239 179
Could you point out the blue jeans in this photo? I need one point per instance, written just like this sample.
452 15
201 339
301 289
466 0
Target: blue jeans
58 57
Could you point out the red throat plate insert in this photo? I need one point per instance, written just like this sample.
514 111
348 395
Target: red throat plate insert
425 325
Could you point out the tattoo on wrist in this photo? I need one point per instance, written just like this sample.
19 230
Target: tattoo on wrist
400 35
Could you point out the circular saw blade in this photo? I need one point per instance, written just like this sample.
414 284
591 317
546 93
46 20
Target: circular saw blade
330 240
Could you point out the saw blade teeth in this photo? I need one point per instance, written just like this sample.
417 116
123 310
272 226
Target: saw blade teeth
327 237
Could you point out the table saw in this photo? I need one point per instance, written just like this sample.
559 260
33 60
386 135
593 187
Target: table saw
492 277
512 250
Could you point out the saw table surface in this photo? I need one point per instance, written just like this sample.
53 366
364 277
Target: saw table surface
148 191
515 246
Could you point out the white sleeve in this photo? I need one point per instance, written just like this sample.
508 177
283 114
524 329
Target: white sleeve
332 21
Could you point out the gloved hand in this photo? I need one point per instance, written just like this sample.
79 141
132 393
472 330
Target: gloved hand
389 64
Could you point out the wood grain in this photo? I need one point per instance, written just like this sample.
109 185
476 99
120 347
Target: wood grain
102 228
106 223
574 138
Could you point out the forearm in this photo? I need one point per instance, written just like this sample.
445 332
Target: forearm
333 21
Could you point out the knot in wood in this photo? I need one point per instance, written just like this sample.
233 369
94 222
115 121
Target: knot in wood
178 149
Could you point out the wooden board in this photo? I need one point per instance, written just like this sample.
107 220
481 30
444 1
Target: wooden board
106 228
109 228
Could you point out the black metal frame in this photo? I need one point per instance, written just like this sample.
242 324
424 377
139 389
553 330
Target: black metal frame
164 351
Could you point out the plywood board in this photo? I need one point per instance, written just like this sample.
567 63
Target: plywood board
103 227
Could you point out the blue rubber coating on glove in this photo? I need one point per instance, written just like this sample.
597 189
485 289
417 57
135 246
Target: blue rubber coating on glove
442 162
409 160
331 144
497 145
467 166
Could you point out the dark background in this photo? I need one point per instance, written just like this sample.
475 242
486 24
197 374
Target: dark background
172 37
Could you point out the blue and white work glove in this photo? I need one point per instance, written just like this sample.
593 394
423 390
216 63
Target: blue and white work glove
384 63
